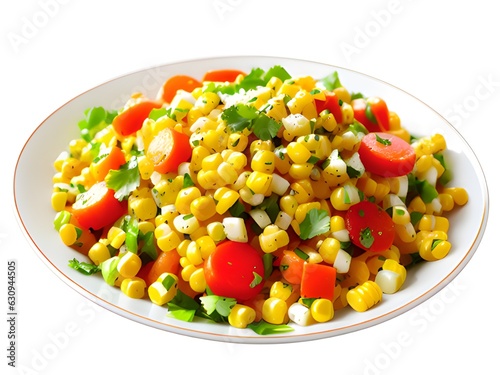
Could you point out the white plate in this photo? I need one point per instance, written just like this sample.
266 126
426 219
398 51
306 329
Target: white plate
35 168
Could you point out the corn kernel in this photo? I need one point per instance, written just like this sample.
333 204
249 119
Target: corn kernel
98 253
129 264
274 310
197 280
241 316
216 231
364 296
203 208
134 287
259 182
322 310
164 289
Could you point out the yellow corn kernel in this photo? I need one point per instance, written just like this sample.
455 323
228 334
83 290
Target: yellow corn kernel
60 160
322 310
203 208
197 280
237 160
298 152
129 264
272 238
459 195
206 245
169 241
329 249
447 202
295 125
434 245
289 204
164 289
212 162
400 215
263 161
281 290
134 287
423 163
227 172
146 167
300 102
165 191
364 296
300 171
358 273
216 231
58 200
187 271
259 182
182 248
198 154
344 197
241 316
432 222
429 145
98 253
168 214
143 208
193 253
225 198
71 167
302 191
185 197
68 234
277 109
146 226
417 205
392 276
200 232
274 310
206 102
116 237
237 142
215 140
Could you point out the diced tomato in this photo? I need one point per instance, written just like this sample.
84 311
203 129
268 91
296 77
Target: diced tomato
132 118
370 227
113 158
291 267
168 150
167 261
98 207
372 113
386 154
235 270
222 75
318 281
330 103
175 83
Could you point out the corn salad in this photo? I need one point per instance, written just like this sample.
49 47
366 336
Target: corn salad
268 167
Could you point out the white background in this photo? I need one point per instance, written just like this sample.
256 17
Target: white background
445 53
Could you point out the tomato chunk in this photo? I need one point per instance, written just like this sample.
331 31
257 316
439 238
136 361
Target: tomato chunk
318 281
235 270
330 103
222 75
131 119
168 150
386 154
369 226
98 207
175 83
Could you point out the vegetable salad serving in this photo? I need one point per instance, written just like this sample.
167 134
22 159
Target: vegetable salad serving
255 199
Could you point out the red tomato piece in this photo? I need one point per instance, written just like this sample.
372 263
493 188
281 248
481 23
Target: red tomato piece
386 154
291 267
98 207
235 270
318 281
379 111
330 103
369 226
168 150
175 83
112 159
222 75
131 119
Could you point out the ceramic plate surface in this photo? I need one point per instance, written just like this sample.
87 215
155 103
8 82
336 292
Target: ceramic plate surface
35 168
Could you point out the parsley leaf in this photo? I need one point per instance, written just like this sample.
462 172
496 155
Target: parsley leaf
213 303
242 116
96 119
83 267
124 180
264 328
384 141
315 223
366 238
331 81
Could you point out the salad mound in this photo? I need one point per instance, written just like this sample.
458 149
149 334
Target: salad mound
256 199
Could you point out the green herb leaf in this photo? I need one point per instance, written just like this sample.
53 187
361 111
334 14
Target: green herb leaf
315 223
187 181
83 267
366 238
265 328
384 141
331 81
241 116
213 303
257 279
124 180
109 270
183 307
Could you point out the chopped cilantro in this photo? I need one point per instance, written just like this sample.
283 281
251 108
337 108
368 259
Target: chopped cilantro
257 279
331 81
384 141
96 119
187 181
366 238
124 180
213 303
83 267
241 116
315 223
265 328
